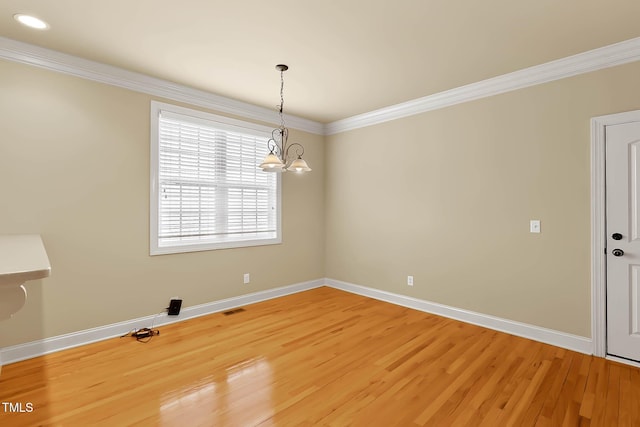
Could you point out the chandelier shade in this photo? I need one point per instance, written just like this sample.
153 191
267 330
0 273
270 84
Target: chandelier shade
272 163
299 165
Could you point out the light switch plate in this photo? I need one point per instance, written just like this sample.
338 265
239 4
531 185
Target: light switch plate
534 226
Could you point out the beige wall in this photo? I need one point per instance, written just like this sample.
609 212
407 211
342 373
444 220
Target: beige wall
447 196
74 166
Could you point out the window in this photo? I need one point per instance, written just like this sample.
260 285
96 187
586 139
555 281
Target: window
207 191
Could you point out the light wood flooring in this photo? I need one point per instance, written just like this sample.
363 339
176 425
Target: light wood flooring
322 357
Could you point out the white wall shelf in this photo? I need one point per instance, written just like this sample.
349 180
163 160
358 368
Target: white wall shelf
22 258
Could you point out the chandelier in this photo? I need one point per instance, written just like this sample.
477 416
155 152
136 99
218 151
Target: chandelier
282 155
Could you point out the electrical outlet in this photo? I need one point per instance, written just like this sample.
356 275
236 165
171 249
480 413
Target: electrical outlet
410 280
247 278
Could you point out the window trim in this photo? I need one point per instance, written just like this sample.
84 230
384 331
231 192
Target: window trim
154 205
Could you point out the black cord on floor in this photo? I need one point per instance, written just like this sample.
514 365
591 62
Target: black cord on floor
144 335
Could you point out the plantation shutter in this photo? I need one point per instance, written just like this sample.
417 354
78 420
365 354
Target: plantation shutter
210 189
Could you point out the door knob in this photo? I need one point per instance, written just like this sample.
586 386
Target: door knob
617 252
616 236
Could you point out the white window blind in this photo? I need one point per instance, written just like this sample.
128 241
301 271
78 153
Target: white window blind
210 193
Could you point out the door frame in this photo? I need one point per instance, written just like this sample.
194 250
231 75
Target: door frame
598 226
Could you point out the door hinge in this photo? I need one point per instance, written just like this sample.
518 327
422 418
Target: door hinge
605 251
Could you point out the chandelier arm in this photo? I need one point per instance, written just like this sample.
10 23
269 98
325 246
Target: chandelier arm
299 150
272 145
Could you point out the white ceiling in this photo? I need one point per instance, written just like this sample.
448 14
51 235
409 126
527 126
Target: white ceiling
346 57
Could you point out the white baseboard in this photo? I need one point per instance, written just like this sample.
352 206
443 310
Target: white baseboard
49 345
536 333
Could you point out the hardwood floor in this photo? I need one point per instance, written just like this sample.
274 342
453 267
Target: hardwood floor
321 357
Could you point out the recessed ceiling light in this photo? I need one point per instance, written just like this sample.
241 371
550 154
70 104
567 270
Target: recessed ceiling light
31 21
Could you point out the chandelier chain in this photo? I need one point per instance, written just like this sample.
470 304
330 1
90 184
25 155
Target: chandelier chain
281 98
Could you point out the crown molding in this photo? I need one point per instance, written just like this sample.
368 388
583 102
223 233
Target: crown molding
52 60
592 60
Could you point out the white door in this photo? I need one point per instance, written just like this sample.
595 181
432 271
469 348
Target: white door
623 239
